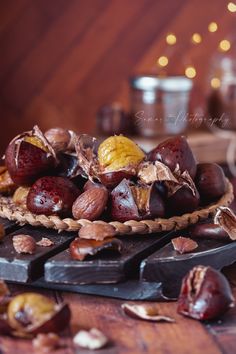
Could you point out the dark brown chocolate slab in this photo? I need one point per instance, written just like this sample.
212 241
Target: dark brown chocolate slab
104 268
127 290
25 268
169 267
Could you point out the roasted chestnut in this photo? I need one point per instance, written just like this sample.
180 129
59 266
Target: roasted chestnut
175 151
31 313
208 231
81 248
133 202
205 294
210 181
112 179
29 156
183 201
68 165
52 196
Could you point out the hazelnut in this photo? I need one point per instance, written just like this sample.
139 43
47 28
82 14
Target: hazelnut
97 232
60 139
24 244
90 204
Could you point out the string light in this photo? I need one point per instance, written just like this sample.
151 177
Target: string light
215 82
190 72
231 7
163 61
196 38
212 27
224 45
171 39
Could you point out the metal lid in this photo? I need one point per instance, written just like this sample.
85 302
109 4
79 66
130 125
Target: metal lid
176 84
145 82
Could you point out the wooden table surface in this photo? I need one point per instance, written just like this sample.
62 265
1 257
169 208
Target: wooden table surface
128 335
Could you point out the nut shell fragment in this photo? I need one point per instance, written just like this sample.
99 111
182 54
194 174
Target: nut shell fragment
184 244
92 339
24 244
145 312
226 218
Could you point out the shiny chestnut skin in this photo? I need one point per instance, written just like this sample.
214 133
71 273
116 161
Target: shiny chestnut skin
124 206
210 181
175 151
52 196
205 294
33 162
208 231
112 179
183 201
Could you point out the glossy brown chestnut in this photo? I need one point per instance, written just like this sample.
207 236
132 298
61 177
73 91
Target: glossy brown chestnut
68 165
52 196
175 151
183 201
112 179
210 181
29 156
205 294
208 231
130 202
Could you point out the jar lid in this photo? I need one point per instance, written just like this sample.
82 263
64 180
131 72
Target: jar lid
145 82
176 84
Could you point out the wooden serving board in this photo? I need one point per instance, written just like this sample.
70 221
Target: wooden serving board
148 268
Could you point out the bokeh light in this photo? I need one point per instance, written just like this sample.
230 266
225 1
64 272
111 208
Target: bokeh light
196 38
171 39
190 72
212 27
163 61
231 7
215 82
224 45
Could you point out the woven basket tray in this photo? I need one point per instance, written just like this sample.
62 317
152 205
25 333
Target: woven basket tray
12 212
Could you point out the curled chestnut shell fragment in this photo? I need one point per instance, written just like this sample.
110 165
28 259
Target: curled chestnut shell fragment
175 151
52 196
148 312
29 156
81 248
208 231
205 294
226 219
31 313
210 181
20 196
132 202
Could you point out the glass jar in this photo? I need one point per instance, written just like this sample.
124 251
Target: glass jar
159 106
222 96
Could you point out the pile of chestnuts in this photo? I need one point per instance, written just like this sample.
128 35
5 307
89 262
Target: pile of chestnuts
69 175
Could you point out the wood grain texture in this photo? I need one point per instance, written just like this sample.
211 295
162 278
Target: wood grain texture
61 59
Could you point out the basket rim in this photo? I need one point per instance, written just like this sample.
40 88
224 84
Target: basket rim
15 213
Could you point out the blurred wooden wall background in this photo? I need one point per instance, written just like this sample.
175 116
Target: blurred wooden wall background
61 59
